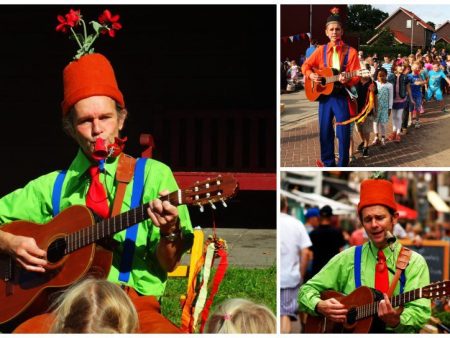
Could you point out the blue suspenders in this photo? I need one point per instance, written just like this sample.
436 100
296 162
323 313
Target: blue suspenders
357 264
56 195
344 66
131 232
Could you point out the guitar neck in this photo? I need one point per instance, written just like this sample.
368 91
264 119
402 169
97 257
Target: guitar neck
371 309
110 226
335 78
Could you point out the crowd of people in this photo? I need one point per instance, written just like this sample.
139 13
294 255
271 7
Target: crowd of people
403 86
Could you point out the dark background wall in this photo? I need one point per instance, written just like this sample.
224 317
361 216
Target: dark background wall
179 64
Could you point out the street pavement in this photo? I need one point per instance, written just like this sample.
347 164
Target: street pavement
247 248
427 146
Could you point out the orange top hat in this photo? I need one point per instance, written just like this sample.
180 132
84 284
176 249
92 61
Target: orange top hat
376 191
90 75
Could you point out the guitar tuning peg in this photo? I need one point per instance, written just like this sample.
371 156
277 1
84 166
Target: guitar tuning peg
212 205
223 203
201 207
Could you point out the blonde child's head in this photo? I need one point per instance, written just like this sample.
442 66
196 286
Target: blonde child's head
94 306
241 316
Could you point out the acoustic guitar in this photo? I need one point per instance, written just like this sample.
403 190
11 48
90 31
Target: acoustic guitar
329 77
362 305
70 240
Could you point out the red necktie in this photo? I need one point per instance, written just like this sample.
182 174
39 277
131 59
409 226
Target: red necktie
96 198
381 273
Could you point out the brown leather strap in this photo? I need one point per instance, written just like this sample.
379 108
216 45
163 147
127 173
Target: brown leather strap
402 263
124 174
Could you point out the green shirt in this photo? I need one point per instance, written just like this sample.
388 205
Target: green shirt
34 203
338 275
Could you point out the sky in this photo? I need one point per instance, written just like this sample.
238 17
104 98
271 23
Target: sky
436 13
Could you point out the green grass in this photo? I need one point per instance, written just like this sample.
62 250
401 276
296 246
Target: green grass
258 285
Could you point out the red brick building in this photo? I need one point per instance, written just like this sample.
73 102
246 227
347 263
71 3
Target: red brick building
407 28
443 32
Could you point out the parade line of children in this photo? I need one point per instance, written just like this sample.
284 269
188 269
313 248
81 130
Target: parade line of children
401 87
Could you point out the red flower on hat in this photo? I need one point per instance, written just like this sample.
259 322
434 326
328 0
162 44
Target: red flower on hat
334 11
107 23
69 20
73 17
110 22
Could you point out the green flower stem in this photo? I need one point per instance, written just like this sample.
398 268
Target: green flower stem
84 29
93 39
76 37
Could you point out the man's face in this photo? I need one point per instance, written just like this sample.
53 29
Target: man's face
95 117
314 221
376 220
334 32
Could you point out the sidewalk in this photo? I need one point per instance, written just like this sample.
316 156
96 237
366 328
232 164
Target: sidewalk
428 146
247 248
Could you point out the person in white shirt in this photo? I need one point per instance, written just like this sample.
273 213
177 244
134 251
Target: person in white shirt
294 244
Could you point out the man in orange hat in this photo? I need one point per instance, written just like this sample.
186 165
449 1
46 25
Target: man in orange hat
93 115
372 264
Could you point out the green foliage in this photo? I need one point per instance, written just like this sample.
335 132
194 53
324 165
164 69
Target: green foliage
258 285
362 19
441 45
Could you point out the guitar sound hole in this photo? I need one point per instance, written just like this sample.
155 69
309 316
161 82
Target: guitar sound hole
56 250
351 316
323 81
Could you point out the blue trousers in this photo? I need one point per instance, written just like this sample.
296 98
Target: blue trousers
334 106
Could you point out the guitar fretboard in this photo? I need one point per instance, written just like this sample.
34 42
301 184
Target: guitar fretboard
107 227
335 78
371 309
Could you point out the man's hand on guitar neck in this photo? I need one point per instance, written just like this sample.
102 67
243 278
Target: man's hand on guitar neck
388 314
343 79
332 309
24 250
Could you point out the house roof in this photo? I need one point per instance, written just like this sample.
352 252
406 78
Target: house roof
443 25
411 15
443 38
401 37
398 36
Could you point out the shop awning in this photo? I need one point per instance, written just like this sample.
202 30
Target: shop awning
405 212
437 202
312 199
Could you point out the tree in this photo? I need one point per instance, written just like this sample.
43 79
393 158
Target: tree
362 19
431 24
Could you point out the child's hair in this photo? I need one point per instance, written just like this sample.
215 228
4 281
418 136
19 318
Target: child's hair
94 306
382 70
241 316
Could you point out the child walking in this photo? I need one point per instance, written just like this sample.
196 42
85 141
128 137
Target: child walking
385 100
416 83
434 84
401 87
